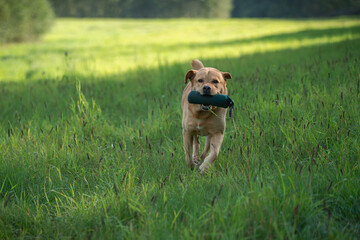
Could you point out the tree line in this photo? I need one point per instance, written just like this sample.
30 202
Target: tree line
295 8
143 8
22 20
205 8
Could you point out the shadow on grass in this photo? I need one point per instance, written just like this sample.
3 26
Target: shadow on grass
135 95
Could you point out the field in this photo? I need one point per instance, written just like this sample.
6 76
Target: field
91 138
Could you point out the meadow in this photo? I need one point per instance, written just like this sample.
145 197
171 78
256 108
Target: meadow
91 138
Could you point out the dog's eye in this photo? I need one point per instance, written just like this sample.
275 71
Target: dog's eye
200 80
215 81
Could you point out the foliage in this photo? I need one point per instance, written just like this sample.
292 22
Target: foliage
91 147
24 20
295 8
143 8
205 8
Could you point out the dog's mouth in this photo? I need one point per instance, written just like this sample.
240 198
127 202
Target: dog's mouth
205 107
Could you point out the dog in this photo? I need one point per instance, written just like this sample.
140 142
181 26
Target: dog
203 120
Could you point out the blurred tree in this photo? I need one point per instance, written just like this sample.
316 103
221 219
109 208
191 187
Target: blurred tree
204 8
23 20
143 8
295 8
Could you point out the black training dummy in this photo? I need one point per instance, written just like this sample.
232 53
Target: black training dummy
218 100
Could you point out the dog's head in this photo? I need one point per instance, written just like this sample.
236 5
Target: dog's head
208 81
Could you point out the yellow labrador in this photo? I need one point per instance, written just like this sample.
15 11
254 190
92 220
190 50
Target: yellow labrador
203 120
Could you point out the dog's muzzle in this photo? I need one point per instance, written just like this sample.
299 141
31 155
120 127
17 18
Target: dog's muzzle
206 90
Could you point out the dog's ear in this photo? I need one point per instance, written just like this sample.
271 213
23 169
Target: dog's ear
197 64
190 75
226 75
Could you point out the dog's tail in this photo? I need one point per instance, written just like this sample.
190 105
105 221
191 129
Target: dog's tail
197 64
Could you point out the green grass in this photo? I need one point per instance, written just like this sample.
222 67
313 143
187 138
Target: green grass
91 142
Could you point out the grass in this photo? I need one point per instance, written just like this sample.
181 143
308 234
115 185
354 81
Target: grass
91 144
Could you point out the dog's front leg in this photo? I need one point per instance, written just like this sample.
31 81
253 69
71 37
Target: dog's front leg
188 148
215 144
196 150
206 148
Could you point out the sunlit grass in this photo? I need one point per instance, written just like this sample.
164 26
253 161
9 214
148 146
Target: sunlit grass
115 46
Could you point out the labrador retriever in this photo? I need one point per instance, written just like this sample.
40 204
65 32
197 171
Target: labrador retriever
203 120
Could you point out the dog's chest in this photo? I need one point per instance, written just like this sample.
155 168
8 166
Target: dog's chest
204 124
200 130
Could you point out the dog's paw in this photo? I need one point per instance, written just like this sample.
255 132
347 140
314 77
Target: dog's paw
197 161
204 167
190 165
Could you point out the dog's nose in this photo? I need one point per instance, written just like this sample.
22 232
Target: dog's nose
206 89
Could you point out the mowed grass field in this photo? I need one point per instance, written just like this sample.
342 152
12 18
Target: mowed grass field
91 137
